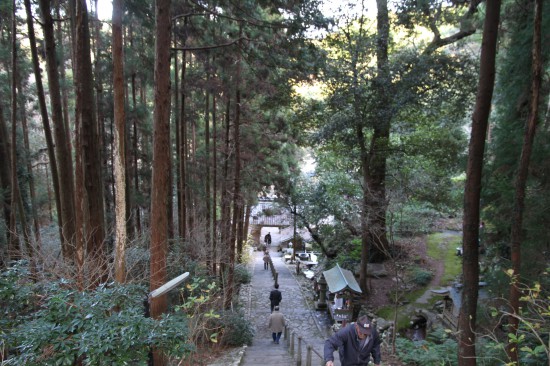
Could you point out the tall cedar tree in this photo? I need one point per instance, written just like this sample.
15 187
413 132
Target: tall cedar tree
91 199
470 226
119 164
60 153
521 180
161 160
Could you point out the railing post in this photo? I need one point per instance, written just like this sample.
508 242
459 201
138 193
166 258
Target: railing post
276 275
292 344
299 357
308 355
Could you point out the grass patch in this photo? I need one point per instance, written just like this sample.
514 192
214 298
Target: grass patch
442 247
388 312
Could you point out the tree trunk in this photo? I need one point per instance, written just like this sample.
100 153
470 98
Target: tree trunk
61 163
64 94
214 188
521 182
161 161
14 249
207 197
135 173
237 197
373 161
470 227
240 231
119 164
225 201
44 115
247 214
182 155
90 148
5 180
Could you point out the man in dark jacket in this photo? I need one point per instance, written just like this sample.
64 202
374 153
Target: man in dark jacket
275 297
355 343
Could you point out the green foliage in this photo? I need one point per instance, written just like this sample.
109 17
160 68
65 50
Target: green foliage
102 327
242 275
533 332
412 219
512 103
420 276
438 349
236 330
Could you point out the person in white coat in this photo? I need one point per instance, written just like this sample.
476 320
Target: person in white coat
276 324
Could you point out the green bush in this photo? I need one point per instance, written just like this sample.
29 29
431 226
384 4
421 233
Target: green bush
237 331
102 327
438 350
242 275
421 277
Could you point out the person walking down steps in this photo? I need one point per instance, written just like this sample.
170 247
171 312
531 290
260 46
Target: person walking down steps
276 324
266 260
267 239
275 297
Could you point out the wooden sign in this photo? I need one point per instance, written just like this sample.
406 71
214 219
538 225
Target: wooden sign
169 285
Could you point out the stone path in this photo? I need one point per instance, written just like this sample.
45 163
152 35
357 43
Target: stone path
302 320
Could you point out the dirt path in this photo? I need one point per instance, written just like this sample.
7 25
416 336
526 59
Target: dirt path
437 266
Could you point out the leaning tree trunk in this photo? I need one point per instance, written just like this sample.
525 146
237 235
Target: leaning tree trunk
521 182
472 191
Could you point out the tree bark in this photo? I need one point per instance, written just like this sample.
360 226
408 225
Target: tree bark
119 163
214 187
161 159
207 196
237 197
5 180
14 249
90 149
182 155
470 265
521 182
135 172
60 162
225 201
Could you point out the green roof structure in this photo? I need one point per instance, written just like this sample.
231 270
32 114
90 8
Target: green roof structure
339 279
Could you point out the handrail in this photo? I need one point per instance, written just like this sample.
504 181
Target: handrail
273 271
298 356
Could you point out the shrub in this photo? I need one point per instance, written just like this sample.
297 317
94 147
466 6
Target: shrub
421 277
242 275
102 327
439 349
237 331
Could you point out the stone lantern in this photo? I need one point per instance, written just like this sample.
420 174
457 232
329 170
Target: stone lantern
322 302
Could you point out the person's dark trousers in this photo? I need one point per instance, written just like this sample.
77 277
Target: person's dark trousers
266 265
272 306
276 337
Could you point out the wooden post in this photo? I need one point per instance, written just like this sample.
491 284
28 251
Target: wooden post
299 358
